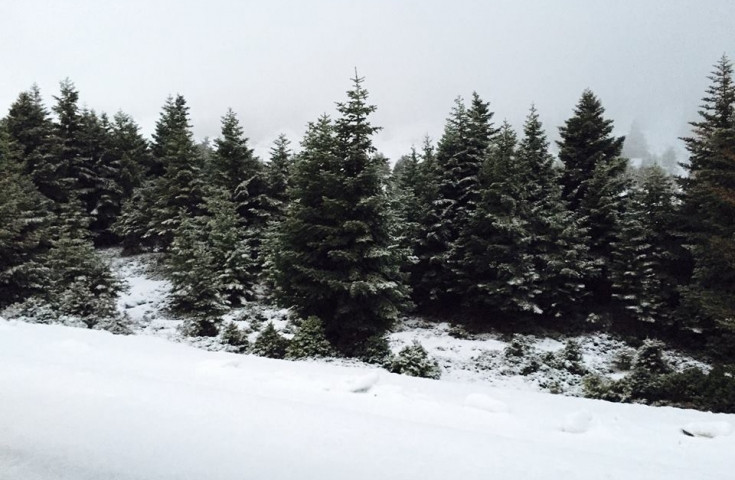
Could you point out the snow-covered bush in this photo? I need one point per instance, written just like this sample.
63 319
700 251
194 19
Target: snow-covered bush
375 350
649 358
201 326
270 343
309 341
233 337
414 361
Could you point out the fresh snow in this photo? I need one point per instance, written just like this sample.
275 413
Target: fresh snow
79 404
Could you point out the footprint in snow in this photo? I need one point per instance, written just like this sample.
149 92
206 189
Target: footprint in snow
707 429
485 402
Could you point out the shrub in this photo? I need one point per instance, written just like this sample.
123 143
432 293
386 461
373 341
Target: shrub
234 337
270 343
414 361
309 341
649 358
375 350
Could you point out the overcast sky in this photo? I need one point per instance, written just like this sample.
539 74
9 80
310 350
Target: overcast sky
280 64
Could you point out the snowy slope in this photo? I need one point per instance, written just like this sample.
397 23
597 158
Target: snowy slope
81 404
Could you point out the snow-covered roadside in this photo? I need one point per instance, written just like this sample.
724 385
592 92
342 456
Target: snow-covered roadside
83 404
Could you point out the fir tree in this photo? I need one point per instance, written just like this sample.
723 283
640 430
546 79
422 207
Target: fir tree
594 183
557 245
270 343
492 264
708 207
334 260
461 151
278 174
310 341
31 143
23 231
644 280
68 128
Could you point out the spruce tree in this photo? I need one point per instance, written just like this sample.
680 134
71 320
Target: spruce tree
557 245
493 268
644 273
31 143
708 209
278 173
335 261
461 152
24 231
594 184
176 190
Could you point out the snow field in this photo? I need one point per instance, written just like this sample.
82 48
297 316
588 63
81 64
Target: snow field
81 404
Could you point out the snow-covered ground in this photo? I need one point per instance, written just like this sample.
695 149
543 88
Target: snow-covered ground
82 404
464 358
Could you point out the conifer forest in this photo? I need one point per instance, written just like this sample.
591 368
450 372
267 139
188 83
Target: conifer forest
487 228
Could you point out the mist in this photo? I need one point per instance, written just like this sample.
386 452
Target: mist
280 65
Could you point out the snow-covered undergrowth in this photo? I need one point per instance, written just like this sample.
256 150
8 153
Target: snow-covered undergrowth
79 404
525 362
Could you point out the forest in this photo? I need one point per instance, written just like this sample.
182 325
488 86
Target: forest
484 228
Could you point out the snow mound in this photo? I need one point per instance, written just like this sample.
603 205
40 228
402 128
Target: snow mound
707 429
484 402
577 422
362 384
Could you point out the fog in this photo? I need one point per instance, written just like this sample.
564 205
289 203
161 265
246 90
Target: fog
280 64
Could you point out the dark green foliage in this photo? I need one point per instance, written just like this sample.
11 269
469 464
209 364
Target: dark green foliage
76 281
334 259
708 209
649 358
309 341
491 261
31 144
234 337
375 350
278 174
24 232
270 343
594 183
413 360
644 262
462 150
196 289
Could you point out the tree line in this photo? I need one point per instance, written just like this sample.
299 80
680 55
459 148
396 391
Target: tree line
486 225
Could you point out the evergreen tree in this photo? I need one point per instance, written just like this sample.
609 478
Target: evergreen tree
557 246
461 152
278 174
493 267
242 175
708 208
309 341
644 280
594 183
23 230
176 190
77 281
31 142
334 260
196 284
68 128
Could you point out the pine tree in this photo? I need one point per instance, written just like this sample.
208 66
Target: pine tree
237 171
23 230
644 273
558 245
335 261
594 183
278 173
196 284
493 268
31 143
154 213
70 153
461 152
708 207
78 282
309 341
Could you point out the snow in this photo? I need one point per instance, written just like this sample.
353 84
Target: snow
84 404
708 429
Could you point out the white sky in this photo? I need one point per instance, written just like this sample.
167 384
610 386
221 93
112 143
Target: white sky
279 64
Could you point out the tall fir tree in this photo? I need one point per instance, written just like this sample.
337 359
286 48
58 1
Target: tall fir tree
278 173
708 209
31 143
493 268
558 244
644 258
594 184
335 260
461 152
